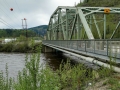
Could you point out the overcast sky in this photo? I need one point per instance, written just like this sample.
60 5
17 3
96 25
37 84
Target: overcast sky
37 12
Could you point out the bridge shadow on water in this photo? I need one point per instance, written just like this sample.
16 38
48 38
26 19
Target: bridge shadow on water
53 60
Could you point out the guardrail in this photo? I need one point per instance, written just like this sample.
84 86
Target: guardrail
109 48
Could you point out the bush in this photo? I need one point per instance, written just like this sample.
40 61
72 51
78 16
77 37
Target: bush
7 47
24 46
20 47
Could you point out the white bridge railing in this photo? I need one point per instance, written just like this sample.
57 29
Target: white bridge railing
109 48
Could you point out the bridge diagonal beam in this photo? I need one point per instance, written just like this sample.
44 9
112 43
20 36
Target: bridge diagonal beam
97 27
53 32
73 26
118 25
85 24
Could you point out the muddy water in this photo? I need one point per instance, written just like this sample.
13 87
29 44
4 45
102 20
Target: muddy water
16 62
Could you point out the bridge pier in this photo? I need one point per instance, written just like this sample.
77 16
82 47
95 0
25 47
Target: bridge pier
47 49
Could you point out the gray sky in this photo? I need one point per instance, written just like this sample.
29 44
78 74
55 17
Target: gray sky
37 12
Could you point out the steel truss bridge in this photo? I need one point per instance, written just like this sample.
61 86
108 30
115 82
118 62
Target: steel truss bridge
86 32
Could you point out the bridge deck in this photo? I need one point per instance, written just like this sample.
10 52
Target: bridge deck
102 49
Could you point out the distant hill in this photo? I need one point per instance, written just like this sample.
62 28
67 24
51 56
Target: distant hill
39 30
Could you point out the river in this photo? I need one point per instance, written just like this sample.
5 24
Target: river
16 62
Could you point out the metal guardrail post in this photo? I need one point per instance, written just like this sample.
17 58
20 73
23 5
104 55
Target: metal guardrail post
85 45
94 46
77 44
107 47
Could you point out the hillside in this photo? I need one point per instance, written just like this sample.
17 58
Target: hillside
100 3
39 30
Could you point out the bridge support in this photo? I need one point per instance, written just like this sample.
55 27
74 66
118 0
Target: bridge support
74 23
47 49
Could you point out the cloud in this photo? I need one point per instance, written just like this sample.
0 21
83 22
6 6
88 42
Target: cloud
37 12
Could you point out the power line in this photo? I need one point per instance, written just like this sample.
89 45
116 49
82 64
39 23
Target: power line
20 11
17 5
6 24
6 15
7 4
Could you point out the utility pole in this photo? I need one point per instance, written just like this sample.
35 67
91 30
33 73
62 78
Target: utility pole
75 4
22 24
26 26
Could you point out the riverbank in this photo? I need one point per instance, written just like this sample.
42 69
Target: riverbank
21 46
111 82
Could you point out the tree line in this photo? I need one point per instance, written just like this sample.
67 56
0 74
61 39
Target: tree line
16 33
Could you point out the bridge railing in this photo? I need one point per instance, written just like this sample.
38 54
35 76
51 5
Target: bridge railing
101 47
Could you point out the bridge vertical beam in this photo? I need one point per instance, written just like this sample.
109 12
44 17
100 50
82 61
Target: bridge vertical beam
78 28
48 34
104 26
59 28
73 27
67 24
53 32
63 29
81 29
55 28
85 24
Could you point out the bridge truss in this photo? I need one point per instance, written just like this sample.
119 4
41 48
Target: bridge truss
76 23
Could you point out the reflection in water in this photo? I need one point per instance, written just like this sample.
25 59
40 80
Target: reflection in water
54 60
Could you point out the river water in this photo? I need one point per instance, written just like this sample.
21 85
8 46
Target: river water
16 62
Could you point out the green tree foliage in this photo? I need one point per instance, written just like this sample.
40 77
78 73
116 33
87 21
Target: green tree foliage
100 3
15 33
31 32
3 33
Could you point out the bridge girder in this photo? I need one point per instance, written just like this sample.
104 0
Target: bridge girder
67 23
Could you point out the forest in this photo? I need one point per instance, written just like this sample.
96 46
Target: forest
31 32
